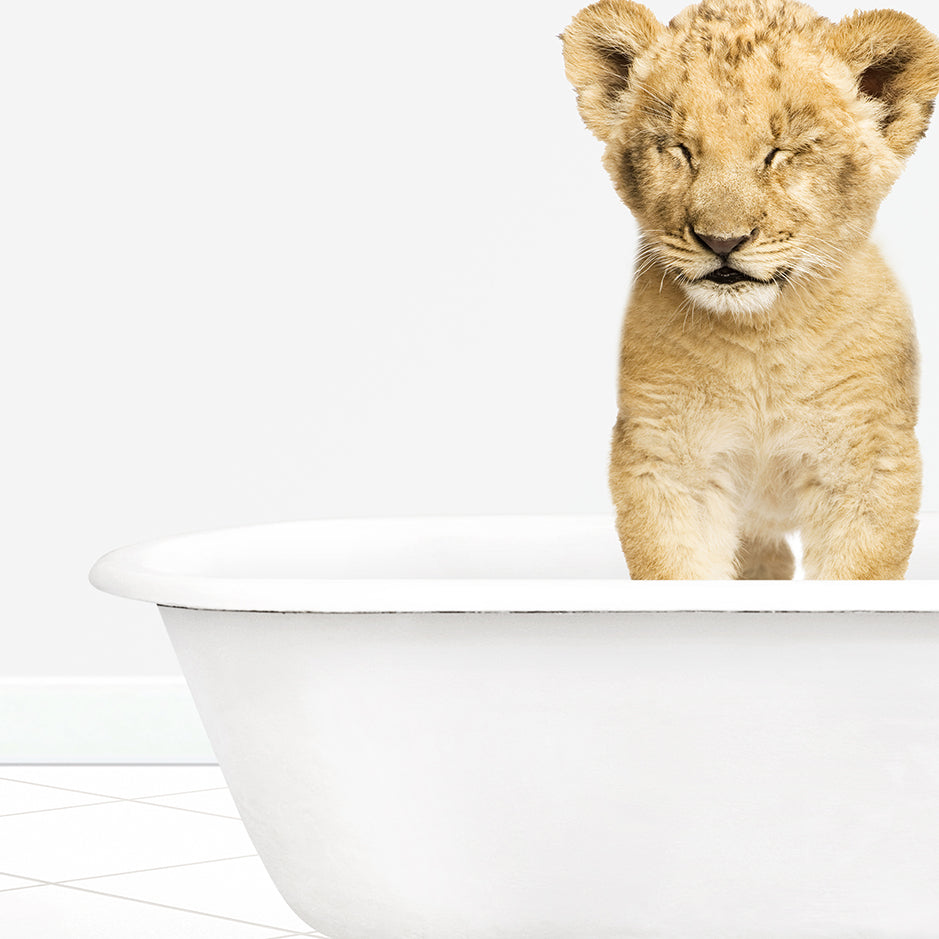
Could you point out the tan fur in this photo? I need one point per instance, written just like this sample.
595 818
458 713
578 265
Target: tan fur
749 410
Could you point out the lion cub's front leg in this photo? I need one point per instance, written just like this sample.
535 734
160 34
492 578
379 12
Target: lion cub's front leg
675 509
858 511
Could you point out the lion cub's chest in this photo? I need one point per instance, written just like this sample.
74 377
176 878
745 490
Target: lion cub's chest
772 463
776 434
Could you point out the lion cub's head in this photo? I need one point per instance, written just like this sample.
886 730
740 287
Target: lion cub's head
752 139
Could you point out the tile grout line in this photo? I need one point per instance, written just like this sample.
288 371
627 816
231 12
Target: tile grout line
115 801
167 795
294 935
69 885
85 792
33 882
60 808
37 882
81 792
107 800
100 893
291 935
179 808
166 906
147 870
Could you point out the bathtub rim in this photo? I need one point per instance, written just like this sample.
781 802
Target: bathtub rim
129 572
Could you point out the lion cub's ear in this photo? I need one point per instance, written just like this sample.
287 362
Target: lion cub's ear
896 61
600 47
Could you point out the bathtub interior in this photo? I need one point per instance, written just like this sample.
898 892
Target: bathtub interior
435 548
469 563
500 547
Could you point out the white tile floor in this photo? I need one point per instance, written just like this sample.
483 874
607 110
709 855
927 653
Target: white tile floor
108 852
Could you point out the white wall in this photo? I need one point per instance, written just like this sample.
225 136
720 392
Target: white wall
266 261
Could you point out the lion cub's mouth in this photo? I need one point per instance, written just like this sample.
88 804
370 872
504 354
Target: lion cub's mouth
730 275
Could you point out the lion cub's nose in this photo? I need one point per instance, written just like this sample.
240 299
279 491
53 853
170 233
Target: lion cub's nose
723 246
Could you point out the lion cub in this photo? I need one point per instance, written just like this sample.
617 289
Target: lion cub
768 378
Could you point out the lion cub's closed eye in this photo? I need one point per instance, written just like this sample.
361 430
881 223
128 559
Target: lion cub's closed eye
768 377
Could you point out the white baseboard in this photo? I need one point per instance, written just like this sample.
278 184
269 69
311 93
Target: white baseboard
100 720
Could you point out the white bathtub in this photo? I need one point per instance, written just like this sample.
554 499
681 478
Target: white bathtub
479 729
